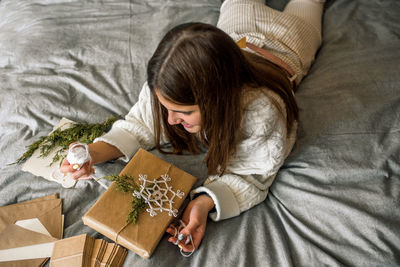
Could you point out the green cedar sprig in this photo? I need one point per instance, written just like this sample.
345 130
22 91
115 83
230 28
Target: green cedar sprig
126 184
78 132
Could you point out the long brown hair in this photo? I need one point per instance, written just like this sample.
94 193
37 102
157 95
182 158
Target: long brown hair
199 64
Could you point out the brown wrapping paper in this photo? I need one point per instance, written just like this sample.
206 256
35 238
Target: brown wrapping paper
108 215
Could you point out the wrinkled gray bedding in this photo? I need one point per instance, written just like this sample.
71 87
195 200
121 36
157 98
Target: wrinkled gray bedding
336 200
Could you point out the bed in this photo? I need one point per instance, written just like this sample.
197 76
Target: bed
335 202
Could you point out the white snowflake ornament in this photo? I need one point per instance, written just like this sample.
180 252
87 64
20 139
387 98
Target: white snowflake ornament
158 195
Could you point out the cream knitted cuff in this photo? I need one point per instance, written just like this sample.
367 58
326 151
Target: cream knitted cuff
225 202
123 140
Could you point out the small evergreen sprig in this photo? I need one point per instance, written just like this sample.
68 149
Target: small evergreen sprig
78 132
126 184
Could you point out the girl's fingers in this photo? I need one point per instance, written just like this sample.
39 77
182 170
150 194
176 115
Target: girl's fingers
185 244
190 228
186 247
85 177
66 167
170 230
182 244
172 239
81 173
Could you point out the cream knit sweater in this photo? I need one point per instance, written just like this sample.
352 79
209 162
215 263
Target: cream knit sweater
249 173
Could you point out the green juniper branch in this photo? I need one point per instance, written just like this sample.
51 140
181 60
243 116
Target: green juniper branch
78 132
126 184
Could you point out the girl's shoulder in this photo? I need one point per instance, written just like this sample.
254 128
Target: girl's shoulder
263 99
262 109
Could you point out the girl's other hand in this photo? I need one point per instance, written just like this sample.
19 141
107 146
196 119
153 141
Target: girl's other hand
83 173
195 218
99 152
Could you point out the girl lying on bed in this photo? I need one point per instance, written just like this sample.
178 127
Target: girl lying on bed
229 88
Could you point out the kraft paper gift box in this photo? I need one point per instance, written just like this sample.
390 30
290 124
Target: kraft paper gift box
109 214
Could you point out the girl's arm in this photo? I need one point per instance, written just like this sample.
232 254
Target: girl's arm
257 160
249 175
136 130
102 152
124 138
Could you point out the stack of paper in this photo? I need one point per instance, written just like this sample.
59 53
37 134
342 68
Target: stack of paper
107 254
31 232
29 223
84 250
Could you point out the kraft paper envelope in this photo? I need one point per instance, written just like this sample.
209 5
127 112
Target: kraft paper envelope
33 225
14 236
52 196
48 211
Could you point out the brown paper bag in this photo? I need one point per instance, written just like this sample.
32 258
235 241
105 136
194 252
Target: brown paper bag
108 215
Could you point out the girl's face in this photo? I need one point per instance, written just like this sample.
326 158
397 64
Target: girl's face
188 116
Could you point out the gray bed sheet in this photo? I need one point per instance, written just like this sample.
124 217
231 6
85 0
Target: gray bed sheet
335 202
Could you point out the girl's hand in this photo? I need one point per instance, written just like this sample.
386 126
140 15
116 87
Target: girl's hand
195 218
99 152
82 173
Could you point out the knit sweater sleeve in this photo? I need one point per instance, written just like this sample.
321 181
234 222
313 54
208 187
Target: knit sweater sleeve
136 130
253 168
